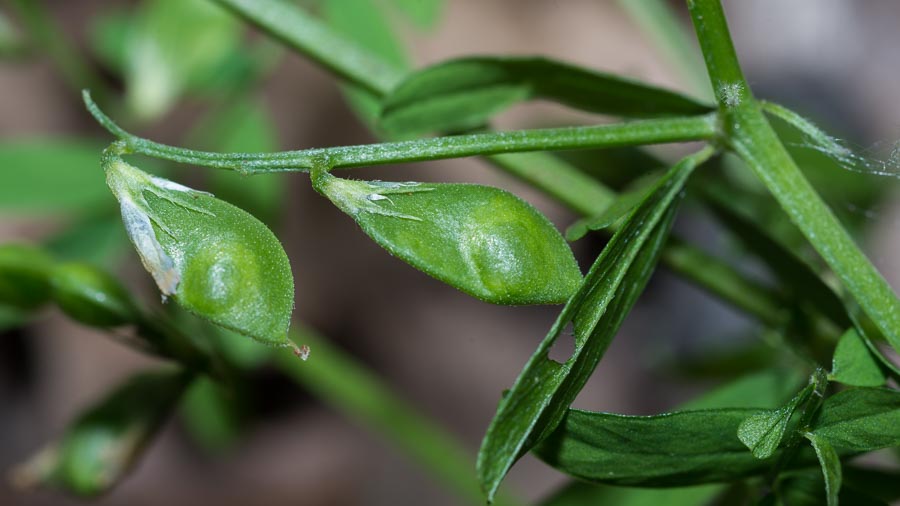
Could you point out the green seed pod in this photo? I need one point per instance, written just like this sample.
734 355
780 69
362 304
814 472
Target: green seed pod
484 241
214 259
105 442
24 276
91 296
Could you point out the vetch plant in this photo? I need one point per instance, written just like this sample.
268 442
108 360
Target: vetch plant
771 437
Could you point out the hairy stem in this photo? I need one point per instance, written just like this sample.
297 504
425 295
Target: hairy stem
655 131
750 136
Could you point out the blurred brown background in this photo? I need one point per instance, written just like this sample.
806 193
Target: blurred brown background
448 354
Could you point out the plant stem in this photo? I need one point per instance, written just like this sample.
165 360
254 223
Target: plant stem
752 138
653 131
338 379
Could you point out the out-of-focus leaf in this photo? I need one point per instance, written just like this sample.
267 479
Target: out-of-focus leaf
545 388
465 93
210 415
860 419
762 432
51 175
24 276
175 44
424 13
12 43
481 240
98 239
11 317
766 390
109 34
853 363
831 467
105 442
92 296
363 22
795 275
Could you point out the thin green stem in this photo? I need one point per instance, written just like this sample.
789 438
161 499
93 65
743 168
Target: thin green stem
752 138
653 131
349 386
725 73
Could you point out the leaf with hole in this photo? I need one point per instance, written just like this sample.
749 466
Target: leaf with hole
543 391
462 94
482 240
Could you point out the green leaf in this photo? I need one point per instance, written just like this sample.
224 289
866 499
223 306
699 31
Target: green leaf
175 45
762 432
109 35
675 449
106 441
50 176
363 22
853 363
482 240
545 388
860 419
216 260
24 276
621 206
465 93
91 296
831 466
296 28
764 389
